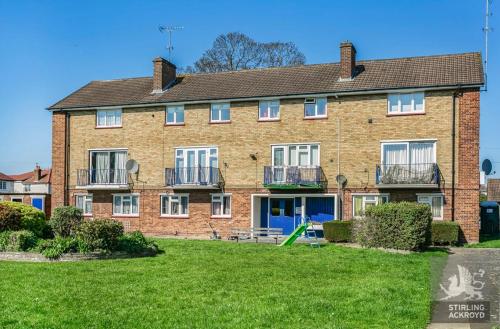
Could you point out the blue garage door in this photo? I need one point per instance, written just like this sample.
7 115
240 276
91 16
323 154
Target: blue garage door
37 203
281 214
320 209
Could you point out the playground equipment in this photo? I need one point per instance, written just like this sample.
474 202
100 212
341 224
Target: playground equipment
305 228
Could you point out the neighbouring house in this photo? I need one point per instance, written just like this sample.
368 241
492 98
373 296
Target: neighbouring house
32 188
263 148
493 189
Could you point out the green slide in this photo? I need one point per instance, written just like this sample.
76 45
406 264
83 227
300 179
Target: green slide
295 234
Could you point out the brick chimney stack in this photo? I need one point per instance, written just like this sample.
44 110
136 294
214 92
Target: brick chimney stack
164 74
37 173
347 60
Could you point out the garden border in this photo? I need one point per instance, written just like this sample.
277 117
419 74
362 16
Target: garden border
22 256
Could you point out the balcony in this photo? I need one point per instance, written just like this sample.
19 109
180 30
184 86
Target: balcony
194 177
102 178
294 177
420 175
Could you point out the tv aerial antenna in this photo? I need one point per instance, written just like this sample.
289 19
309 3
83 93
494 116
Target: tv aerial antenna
169 30
486 29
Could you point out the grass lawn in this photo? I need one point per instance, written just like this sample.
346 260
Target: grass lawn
487 241
216 284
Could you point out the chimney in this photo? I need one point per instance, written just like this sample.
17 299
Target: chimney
347 60
163 75
37 173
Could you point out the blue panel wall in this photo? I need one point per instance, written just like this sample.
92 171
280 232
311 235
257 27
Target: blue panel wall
320 209
263 212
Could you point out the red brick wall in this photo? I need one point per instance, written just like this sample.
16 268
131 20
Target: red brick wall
58 185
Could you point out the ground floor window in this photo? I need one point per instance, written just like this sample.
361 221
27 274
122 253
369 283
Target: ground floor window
435 201
221 205
363 202
16 199
175 205
125 204
84 202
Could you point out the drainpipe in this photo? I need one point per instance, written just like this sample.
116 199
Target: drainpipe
453 153
66 160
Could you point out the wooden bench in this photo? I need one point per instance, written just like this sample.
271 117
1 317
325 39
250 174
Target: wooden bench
256 233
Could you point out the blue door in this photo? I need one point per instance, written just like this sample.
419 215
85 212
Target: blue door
37 203
281 214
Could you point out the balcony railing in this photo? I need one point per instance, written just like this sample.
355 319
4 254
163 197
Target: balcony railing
193 177
291 177
403 175
99 177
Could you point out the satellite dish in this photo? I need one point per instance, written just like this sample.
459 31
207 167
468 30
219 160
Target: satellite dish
487 166
132 166
341 179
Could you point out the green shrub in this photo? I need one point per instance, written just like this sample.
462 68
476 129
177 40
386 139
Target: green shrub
402 225
338 231
66 220
135 242
10 218
100 234
32 219
444 233
54 248
17 240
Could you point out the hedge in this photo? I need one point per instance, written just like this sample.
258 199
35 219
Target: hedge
401 225
10 218
338 231
100 234
17 240
444 233
32 219
66 220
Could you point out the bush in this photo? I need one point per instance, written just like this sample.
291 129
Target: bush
338 231
17 240
135 242
402 225
100 234
54 248
10 218
32 219
444 233
66 220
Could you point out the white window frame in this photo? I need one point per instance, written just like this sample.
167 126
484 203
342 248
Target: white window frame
363 204
3 185
176 120
431 196
314 100
221 197
122 195
86 198
407 143
400 108
269 117
106 125
219 107
286 157
170 196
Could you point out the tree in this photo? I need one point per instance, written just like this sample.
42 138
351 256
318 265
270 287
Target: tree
237 51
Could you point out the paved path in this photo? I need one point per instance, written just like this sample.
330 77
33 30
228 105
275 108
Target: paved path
484 265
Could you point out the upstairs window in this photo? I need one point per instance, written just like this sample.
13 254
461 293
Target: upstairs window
3 185
220 112
269 110
405 103
315 107
175 114
109 118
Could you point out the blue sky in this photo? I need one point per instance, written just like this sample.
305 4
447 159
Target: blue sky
50 48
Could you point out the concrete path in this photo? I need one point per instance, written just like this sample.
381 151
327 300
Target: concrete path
470 279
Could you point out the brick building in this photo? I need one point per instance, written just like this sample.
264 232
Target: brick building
263 148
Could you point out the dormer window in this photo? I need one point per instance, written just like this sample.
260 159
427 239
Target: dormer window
109 118
315 107
406 103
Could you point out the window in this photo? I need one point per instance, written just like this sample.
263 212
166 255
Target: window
196 165
221 205
126 204
219 112
362 202
174 205
296 155
27 187
397 153
315 107
269 110
405 103
109 118
84 202
108 167
16 199
435 201
3 185
175 114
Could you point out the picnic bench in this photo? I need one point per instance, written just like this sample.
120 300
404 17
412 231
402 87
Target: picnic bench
255 233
